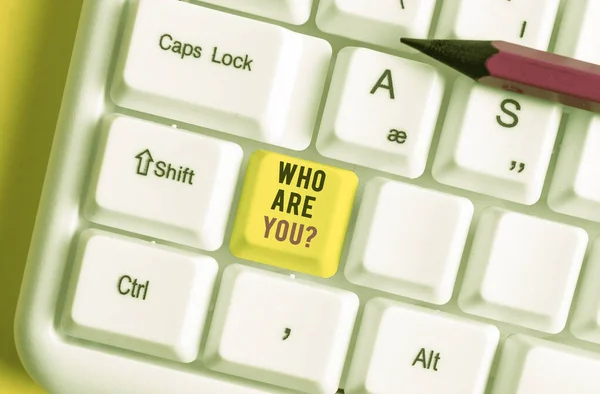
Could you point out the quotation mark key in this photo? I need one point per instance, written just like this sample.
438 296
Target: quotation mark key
513 165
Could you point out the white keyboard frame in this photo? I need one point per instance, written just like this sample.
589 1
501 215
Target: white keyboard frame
64 364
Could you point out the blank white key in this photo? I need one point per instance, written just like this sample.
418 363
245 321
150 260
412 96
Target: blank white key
279 330
295 12
579 31
404 348
585 323
381 112
531 366
162 182
496 143
528 23
408 240
575 188
189 63
381 23
523 270
139 296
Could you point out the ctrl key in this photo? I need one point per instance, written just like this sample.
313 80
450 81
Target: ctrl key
139 296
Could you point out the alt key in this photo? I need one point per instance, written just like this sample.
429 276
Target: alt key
427 351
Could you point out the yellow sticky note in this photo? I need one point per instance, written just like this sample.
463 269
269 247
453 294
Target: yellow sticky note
293 213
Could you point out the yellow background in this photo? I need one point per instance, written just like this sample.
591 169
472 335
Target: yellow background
36 39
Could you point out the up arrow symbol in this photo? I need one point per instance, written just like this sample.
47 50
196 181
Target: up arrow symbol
144 160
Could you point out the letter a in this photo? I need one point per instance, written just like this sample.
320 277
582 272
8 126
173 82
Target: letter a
278 201
421 358
387 77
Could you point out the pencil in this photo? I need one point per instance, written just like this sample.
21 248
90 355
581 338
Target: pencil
519 69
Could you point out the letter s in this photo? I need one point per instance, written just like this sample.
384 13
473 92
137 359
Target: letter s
160 42
514 117
160 169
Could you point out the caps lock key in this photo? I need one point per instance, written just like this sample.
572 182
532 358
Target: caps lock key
221 71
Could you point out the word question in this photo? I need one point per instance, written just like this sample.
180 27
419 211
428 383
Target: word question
292 232
297 203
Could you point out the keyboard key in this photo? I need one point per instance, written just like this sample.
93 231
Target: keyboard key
139 296
531 365
165 183
523 270
293 213
585 323
575 188
496 143
408 240
578 31
279 330
381 112
295 12
188 63
528 23
380 23
405 348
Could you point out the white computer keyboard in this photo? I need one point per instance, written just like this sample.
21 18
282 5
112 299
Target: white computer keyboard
276 196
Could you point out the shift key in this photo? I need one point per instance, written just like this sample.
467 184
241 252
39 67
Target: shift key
163 182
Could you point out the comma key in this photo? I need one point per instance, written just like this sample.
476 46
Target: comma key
280 330
293 213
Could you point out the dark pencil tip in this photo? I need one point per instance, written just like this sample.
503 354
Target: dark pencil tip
466 56
415 43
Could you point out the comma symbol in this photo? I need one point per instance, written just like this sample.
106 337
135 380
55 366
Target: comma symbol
287 333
